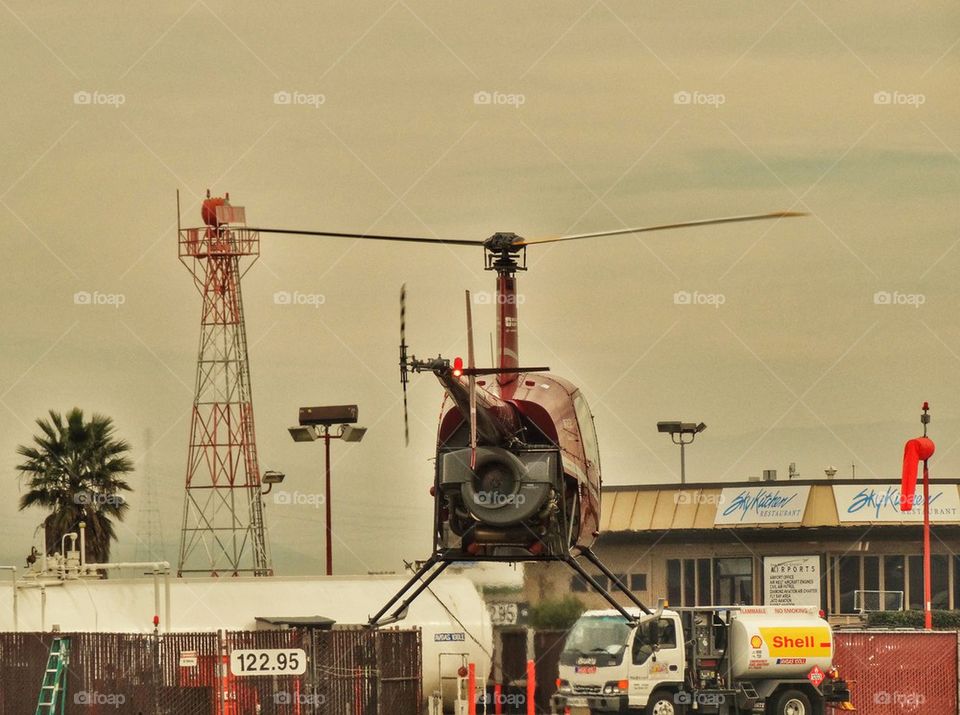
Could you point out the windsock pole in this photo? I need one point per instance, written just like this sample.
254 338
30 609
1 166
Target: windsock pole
927 612
914 451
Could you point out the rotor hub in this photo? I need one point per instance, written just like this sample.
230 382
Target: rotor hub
502 241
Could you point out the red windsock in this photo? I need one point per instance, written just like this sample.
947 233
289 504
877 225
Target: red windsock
915 451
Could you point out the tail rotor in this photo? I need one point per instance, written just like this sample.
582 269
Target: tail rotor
472 379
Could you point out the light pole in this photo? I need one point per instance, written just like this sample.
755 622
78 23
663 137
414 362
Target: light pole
315 422
679 431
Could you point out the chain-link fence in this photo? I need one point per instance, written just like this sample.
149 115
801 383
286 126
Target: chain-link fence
282 672
899 672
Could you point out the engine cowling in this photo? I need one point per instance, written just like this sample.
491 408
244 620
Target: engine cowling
505 488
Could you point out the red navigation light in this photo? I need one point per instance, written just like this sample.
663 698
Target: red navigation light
926 406
462 671
457 367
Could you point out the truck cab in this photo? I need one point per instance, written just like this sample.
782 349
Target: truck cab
609 667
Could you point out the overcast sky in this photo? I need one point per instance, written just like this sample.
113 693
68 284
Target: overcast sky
811 340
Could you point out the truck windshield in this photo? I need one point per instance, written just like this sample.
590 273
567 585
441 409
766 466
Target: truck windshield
598 634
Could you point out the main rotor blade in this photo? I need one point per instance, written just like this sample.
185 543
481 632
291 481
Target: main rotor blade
371 236
662 227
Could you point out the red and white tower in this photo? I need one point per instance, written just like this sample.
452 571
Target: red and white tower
223 532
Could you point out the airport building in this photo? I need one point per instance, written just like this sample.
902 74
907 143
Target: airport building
840 544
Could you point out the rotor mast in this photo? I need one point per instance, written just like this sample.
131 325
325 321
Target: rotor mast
506 257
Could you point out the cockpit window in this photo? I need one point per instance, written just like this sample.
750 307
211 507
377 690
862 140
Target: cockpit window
587 432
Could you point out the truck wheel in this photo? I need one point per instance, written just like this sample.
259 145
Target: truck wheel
663 704
793 702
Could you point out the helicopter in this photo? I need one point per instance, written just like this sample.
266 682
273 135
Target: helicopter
517 469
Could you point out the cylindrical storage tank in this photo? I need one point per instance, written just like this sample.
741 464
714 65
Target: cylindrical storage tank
453 618
784 645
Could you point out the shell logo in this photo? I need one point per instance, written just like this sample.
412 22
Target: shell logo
756 642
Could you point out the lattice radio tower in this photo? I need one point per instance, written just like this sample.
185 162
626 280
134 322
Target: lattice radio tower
223 532
150 546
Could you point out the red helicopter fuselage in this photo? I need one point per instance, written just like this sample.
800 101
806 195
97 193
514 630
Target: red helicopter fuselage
560 412
515 410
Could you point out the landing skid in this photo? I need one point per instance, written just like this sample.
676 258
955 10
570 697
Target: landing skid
438 563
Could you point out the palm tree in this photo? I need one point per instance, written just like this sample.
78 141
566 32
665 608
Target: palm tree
75 469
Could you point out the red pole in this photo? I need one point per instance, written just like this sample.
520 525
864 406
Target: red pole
326 439
927 614
508 341
531 687
358 707
498 699
471 689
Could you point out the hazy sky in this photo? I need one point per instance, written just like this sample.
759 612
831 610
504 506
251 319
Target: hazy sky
810 340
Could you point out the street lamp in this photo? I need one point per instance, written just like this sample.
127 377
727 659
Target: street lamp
679 431
315 422
270 478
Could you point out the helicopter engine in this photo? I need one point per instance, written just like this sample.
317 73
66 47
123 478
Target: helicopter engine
510 499
505 489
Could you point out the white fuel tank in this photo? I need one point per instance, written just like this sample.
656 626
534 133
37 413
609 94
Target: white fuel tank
778 642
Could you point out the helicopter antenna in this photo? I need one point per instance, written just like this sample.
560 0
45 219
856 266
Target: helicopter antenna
404 375
472 381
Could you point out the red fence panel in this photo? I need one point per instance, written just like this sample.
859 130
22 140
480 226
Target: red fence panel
895 672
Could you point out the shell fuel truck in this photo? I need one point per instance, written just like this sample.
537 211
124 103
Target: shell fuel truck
729 660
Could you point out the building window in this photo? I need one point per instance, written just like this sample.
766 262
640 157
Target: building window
622 578
704 582
956 581
915 571
849 571
889 583
871 573
689 582
733 581
682 581
579 585
638 582
893 583
673 581
939 581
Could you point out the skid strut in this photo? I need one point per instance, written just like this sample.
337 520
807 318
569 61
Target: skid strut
438 563
378 620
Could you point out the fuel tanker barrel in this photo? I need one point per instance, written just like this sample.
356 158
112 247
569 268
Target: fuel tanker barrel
785 644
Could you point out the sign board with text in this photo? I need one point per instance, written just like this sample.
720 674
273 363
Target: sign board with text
880 503
771 504
791 580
